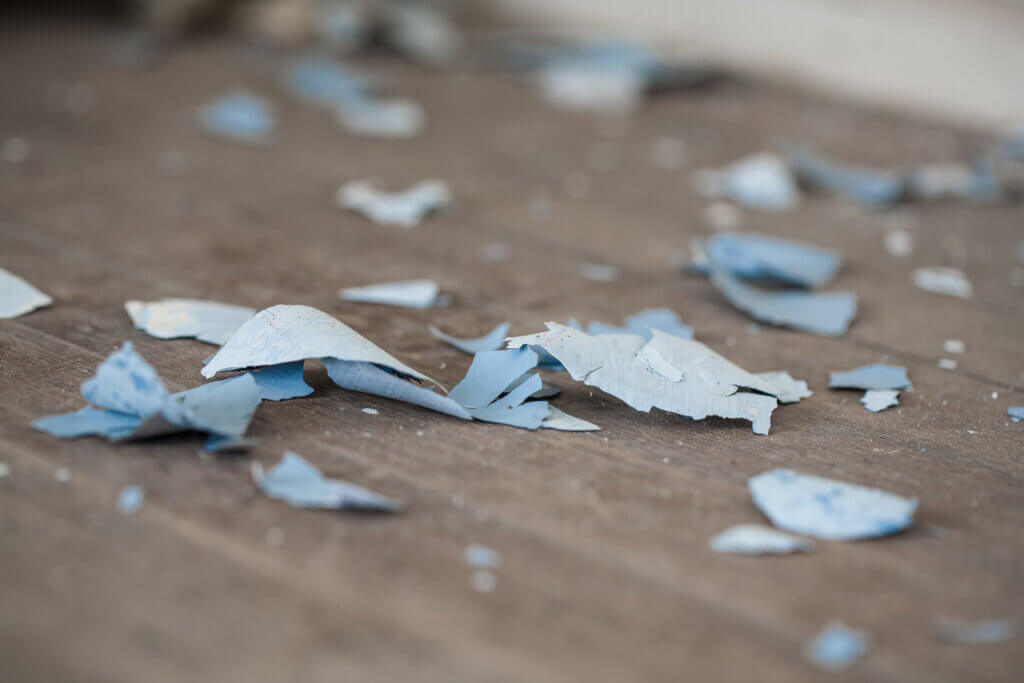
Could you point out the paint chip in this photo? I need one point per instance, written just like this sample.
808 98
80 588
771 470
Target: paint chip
298 483
948 281
756 539
877 400
130 499
405 209
406 293
837 646
208 321
18 297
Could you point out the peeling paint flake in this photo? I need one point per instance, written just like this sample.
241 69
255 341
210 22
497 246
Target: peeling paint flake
491 341
755 539
406 293
296 482
208 321
837 646
761 257
405 209
18 297
239 117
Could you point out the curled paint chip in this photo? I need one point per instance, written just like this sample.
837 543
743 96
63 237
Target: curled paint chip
829 509
489 342
208 321
18 297
559 420
875 376
288 333
862 184
407 293
368 378
405 209
948 281
827 314
755 539
239 117
974 632
677 375
761 181
837 646
877 400
298 483
762 257
281 382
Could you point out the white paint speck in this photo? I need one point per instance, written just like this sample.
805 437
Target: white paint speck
62 475
947 364
371 411
5 470
899 243
484 581
481 557
598 272
953 346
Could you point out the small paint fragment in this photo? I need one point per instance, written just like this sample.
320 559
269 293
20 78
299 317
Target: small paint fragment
828 509
405 209
790 390
208 321
948 281
18 297
875 376
645 322
755 539
974 632
325 82
130 499
406 293
599 272
899 243
1016 413
62 475
383 118
484 581
481 557
371 411
877 400
859 183
762 182
298 483
953 346
761 257
239 117
947 363
837 646
5 470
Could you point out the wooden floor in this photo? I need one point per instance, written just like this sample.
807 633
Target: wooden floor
606 572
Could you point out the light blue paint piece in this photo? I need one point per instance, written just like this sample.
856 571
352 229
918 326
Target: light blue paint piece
761 257
125 383
828 509
978 183
281 382
755 539
223 408
862 184
1016 413
239 117
208 321
826 314
643 324
481 557
548 362
89 422
18 297
130 499
325 82
760 182
876 376
837 646
975 632
511 410
370 379
224 444
298 483
490 374
489 342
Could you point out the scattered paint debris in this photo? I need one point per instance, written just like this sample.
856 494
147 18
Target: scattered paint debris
208 321
953 346
876 376
769 258
877 400
325 82
827 314
281 382
130 499
559 420
974 632
755 539
677 375
371 411
62 475
421 33
298 483
382 118
977 183
947 363
859 183
489 342
828 509
948 281
760 182
481 557
644 323
369 378
239 117
18 297
405 209
1016 413
135 405
598 272
837 646
407 293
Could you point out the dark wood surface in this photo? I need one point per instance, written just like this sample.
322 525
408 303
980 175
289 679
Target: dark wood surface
606 571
